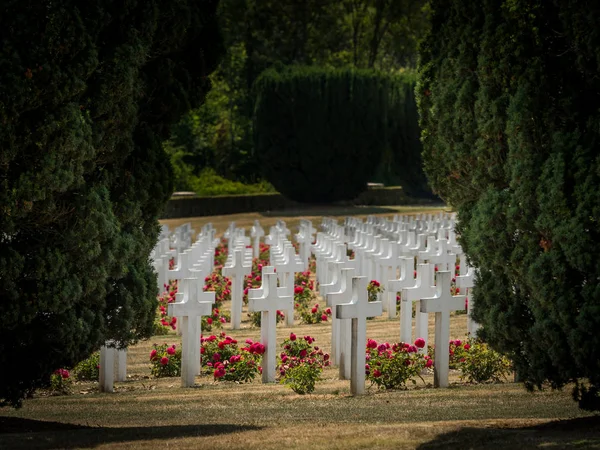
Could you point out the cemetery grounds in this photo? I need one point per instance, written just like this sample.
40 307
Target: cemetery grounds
145 412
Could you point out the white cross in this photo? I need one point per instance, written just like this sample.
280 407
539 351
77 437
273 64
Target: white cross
341 329
406 280
107 366
465 282
191 309
358 310
441 304
423 288
256 232
268 299
236 271
287 271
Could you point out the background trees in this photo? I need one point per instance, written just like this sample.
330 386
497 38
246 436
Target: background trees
509 105
89 91
362 34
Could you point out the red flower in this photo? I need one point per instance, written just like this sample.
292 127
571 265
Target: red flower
314 310
171 351
302 353
209 321
376 373
292 337
152 354
164 360
466 346
371 343
420 343
324 317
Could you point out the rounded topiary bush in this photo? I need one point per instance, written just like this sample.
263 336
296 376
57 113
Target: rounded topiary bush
320 133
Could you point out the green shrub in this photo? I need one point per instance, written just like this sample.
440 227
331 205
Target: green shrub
392 366
301 364
165 361
479 363
61 382
209 184
88 369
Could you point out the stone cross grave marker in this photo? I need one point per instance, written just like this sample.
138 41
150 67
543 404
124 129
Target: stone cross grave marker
406 280
341 329
465 281
441 304
358 310
195 305
108 353
256 232
236 271
422 288
268 300
286 271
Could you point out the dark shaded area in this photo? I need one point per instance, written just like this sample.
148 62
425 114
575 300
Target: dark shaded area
16 433
574 433
321 210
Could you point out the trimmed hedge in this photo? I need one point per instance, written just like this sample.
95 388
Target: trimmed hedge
320 134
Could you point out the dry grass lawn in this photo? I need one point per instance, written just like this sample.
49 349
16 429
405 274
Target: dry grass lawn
149 413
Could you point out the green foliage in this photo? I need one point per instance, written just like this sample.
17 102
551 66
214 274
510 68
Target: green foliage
301 378
300 364
480 364
374 34
320 134
61 382
509 106
89 91
208 183
394 366
88 369
165 361
222 358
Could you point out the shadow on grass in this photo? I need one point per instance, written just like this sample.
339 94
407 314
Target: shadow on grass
17 433
331 210
571 434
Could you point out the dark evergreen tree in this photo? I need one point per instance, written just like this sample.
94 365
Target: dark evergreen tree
88 91
509 99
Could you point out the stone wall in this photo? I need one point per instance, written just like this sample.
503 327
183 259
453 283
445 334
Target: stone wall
192 206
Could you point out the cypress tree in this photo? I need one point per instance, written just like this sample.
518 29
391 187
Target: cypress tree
509 99
88 91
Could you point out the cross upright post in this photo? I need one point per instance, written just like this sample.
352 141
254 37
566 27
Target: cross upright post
358 310
256 232
423 288
341 329
441 304
190 311
268 299
236 271
406 280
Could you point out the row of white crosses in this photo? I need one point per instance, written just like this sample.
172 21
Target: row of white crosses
286 262
421 289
